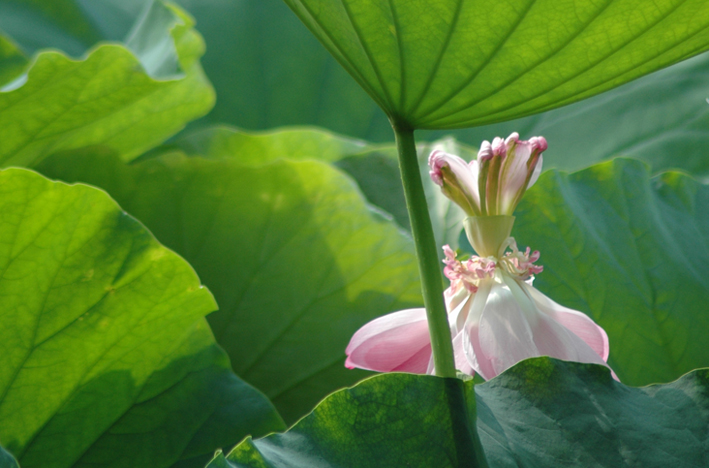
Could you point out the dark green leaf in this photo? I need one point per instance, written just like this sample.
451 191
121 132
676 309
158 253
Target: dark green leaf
540 413
386 421
105 99
294 256
107 359
377 172
633 253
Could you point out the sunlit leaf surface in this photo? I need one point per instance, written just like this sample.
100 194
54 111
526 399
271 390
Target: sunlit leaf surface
104 342
295 258
108 98
258 148
374 167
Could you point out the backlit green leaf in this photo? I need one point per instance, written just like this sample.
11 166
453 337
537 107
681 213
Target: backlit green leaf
457 63
661 119
107 357
106 98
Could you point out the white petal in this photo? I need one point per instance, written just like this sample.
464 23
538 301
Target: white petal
503 336
577 322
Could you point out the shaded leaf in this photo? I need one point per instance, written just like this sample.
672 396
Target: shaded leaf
269 71
36 24
294 256
377 172
633 253
541 412
103 339
105 99
388 420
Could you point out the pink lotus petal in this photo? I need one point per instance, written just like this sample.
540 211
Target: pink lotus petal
393 342
465 174
578 323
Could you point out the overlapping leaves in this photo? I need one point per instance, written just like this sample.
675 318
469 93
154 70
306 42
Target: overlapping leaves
108 98
104 340
294 256
542 412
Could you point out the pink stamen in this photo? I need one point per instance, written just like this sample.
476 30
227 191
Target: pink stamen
466 274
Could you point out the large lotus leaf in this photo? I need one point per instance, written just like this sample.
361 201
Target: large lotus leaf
295 258
456 63
540 413
632 252
107 357
106 98
662 119
268 69
374 167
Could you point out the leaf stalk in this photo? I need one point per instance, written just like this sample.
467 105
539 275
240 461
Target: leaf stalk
426 252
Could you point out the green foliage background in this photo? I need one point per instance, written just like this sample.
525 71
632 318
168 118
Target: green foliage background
301 233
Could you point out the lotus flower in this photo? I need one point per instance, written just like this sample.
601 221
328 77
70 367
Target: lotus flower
497 318
494 183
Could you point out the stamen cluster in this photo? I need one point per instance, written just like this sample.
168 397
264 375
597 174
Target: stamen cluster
520 265
467 274
470 272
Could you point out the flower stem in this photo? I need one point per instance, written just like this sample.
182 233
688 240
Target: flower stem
429 265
